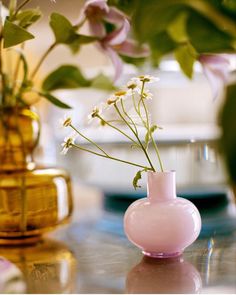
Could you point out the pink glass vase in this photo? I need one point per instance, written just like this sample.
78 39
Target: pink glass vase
162 225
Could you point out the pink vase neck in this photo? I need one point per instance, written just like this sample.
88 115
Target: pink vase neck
161 186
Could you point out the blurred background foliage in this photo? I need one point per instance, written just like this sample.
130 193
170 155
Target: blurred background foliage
188 29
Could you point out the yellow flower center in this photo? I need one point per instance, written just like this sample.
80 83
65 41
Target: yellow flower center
120 93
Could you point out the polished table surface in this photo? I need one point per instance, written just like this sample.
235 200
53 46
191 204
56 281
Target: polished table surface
92 255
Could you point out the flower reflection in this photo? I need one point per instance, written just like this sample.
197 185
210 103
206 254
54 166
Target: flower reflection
48 267
163 276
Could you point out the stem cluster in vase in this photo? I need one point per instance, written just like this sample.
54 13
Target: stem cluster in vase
134 117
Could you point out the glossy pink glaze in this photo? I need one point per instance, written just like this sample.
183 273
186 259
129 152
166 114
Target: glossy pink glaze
163 276
162 224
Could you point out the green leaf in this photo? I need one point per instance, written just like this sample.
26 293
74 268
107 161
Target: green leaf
54 100
65 77
78 40
102 82
177 28
65 33
186 56
206 37
136 179
14 34
62 28
27 17
161 44
152 17
228 123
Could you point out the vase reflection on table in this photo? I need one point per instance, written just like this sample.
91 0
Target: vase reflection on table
48 266
163 276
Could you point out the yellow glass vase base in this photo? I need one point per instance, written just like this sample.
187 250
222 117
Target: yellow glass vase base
32 203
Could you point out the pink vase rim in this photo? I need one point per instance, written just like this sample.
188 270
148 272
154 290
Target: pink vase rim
168 172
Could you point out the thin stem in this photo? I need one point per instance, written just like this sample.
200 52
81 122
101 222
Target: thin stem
137 111
139 103
117 129
89 140
144 106
120 121
20 7
17 69
2 75
111 158
128 116
44 56
157 152
141 145
23 223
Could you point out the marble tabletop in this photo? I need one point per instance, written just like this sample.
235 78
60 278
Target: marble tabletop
92 255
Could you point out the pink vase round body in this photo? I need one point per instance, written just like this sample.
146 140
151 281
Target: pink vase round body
162 225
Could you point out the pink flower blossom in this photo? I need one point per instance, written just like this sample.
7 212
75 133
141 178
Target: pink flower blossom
216 69
97 11
116 42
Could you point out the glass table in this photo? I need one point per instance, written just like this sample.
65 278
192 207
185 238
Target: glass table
92 255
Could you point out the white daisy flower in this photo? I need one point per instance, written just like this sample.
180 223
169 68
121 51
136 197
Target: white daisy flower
68 142
145 78
146 94
95 113
66 121
121 94
133 86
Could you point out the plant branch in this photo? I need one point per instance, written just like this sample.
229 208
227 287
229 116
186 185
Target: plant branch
44 56
117 129
128 116
2 75
139 141
17 69
89 140
20 7
111 158
157 152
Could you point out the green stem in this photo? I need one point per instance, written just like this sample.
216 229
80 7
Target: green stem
137 111
17 70
111 158
20 7
3 76
157 152
139 141
120 121
89 140
128 116
145 108
23 223
44 56
117 129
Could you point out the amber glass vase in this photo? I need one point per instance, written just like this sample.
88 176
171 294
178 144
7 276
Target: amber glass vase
33 199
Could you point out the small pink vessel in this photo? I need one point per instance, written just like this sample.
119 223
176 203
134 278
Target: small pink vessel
162 225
